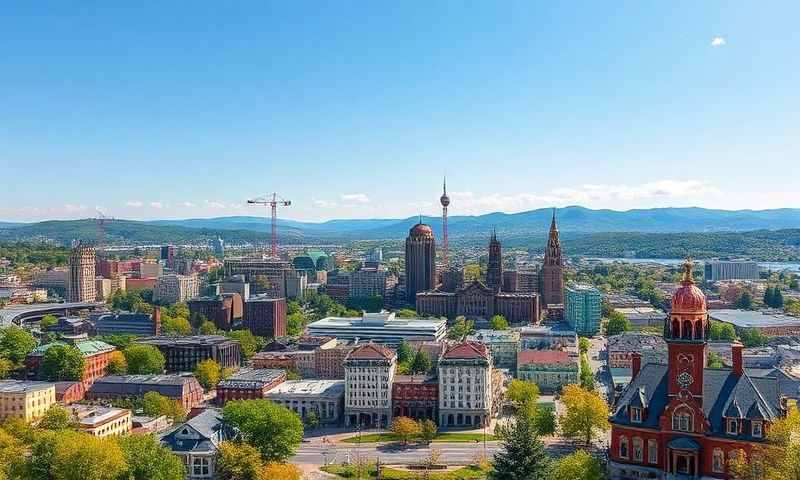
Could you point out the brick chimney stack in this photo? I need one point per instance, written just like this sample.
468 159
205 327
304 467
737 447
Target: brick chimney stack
736 355
636 364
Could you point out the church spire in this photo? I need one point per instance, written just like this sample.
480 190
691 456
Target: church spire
552 256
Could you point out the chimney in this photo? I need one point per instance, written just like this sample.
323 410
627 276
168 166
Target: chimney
636 364
736 355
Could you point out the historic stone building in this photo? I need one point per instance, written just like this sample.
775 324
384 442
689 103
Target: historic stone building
80 282
420 261
551 276
476 300
684 420
465 386
368 376
494 268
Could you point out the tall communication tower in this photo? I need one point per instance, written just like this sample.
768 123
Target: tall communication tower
445 201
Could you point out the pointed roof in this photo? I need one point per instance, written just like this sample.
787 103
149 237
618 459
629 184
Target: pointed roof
755 412
467 350
371 351
639 398
733 410
552 255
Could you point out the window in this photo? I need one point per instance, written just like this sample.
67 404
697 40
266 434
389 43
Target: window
682 421
757 429
733 426
718 461
201 466
652 451
623 447
636 414
638 449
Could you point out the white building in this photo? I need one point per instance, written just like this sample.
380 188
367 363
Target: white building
503 345
324 397
381 327
465 386
368 376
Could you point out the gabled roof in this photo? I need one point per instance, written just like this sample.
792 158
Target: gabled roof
467 350
207 425
651 384
639 399
755 411
733 410
371 351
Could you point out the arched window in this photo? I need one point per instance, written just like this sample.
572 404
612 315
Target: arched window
687 330
638 449
718 461
623 447
676 329
652 451
682 420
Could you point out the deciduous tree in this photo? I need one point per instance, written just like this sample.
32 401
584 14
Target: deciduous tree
144 359
117 364
147 459
405 428
586 414
155 404
578 466
57 418
62 362
16 344
273 429
421 363
617 323
498 322
520 392
208 373
428 430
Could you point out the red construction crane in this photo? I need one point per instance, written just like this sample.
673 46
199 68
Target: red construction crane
272 200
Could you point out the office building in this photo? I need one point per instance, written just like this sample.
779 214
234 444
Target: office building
276 278
100 421
323 397
502 344
465 386
224 311
550 370
182 354
716 271
582 309
219 248
265 316
368 282
126 323
368 374
420 261
249 384
81 279
26 401
416 396
168 256
150 269
383 327
174 288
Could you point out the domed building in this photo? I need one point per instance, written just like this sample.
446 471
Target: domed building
683 419
420 261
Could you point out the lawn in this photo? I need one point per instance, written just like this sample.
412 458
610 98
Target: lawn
454 437
465 473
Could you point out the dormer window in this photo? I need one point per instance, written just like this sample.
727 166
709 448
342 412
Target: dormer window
682 421
636 415
757 429
733 426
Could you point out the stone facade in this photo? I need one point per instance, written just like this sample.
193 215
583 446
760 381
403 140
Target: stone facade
551 276
476 300
503 345
369 375
465 386
81 276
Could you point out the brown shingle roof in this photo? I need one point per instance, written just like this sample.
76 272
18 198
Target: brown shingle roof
467 350
370 351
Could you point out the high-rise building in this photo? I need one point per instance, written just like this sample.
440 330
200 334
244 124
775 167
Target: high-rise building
168 256
494 269
716 271
368 282
420 261
552 273
582 309
219 248
80 283
174 288
368 378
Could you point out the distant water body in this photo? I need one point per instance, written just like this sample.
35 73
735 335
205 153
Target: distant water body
774 266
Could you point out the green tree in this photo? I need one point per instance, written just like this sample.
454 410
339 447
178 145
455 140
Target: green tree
6 367
617 323
778 458
752 337
85 457
498 322
421 362
207 328
461 328
715 361
428 430
57 418
404 352
273 429
48 321
175 325
144 359
745 301
147 459
16 344
250 343
117 364
721 331
208 373
544 419
522 455
405 428
154 404
62 362
586 414
586 375
295 322
584 344
580 465
239 461
520 392
12 454
312 420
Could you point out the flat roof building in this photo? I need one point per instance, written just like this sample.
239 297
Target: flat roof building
249 384
383 327
184 388
182 354
325 397
767 323
27 401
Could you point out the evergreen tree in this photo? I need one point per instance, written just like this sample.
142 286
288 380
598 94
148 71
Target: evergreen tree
421 363
769 296
522 456
404 353
777 298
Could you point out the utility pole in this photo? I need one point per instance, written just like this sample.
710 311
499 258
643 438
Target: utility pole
272 201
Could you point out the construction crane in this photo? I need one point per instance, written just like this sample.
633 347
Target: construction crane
272 201
101 220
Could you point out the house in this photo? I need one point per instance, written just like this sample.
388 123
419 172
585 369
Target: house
196 441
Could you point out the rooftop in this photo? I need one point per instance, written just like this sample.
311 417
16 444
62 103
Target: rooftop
147 379
193 340
308 387
252 378
21 386
754 319
86 347
545 357
491 336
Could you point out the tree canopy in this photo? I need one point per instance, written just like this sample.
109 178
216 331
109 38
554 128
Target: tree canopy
144 359
498 322
617 323
586 414
62 362
273 429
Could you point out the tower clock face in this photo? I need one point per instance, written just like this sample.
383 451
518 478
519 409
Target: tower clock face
685 380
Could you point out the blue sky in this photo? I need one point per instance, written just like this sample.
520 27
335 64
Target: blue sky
357 109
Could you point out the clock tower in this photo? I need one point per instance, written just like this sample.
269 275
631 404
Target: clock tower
686 332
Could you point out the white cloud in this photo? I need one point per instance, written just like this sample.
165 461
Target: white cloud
324 204
187 204
133 203
156 205
351 198
74 208
718 42
214 204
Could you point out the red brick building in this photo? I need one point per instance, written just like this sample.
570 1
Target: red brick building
96 355
684 420
276 360
249 384
415 396
265 316
329 362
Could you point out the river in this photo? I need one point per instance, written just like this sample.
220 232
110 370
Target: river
774 266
